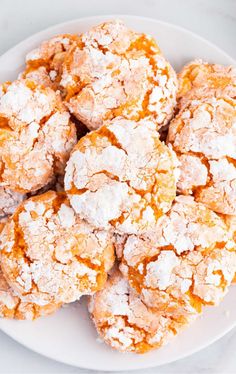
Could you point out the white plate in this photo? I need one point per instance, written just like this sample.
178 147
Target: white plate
68 336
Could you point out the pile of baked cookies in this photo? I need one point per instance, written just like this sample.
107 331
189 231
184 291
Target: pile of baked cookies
117 181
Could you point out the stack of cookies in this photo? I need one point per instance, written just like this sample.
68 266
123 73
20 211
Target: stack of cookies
117 181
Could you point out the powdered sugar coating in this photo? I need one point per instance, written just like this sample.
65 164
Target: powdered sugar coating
49 254
11 306
200 79
39 75
37 135
122 176
9 201
126 323
44 63
114 71
189 260
203 135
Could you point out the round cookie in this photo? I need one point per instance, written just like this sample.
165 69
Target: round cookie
36 135
126 323
50 255
114 71
9 201
11 306
203 135
188 262
200 79
44 63
122 176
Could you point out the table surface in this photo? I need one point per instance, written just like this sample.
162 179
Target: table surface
213 19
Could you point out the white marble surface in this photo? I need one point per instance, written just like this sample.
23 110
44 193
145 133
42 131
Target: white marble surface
214 20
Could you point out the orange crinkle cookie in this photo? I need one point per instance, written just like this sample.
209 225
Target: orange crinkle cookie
188 262
44 64
50 255
113 71
203 135
122 176
200 79
12 306
126 323
36 135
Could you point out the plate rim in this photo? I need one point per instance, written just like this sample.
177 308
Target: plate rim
142 365
99 18
145 365
117 16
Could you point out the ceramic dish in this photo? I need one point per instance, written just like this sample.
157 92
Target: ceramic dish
69 336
